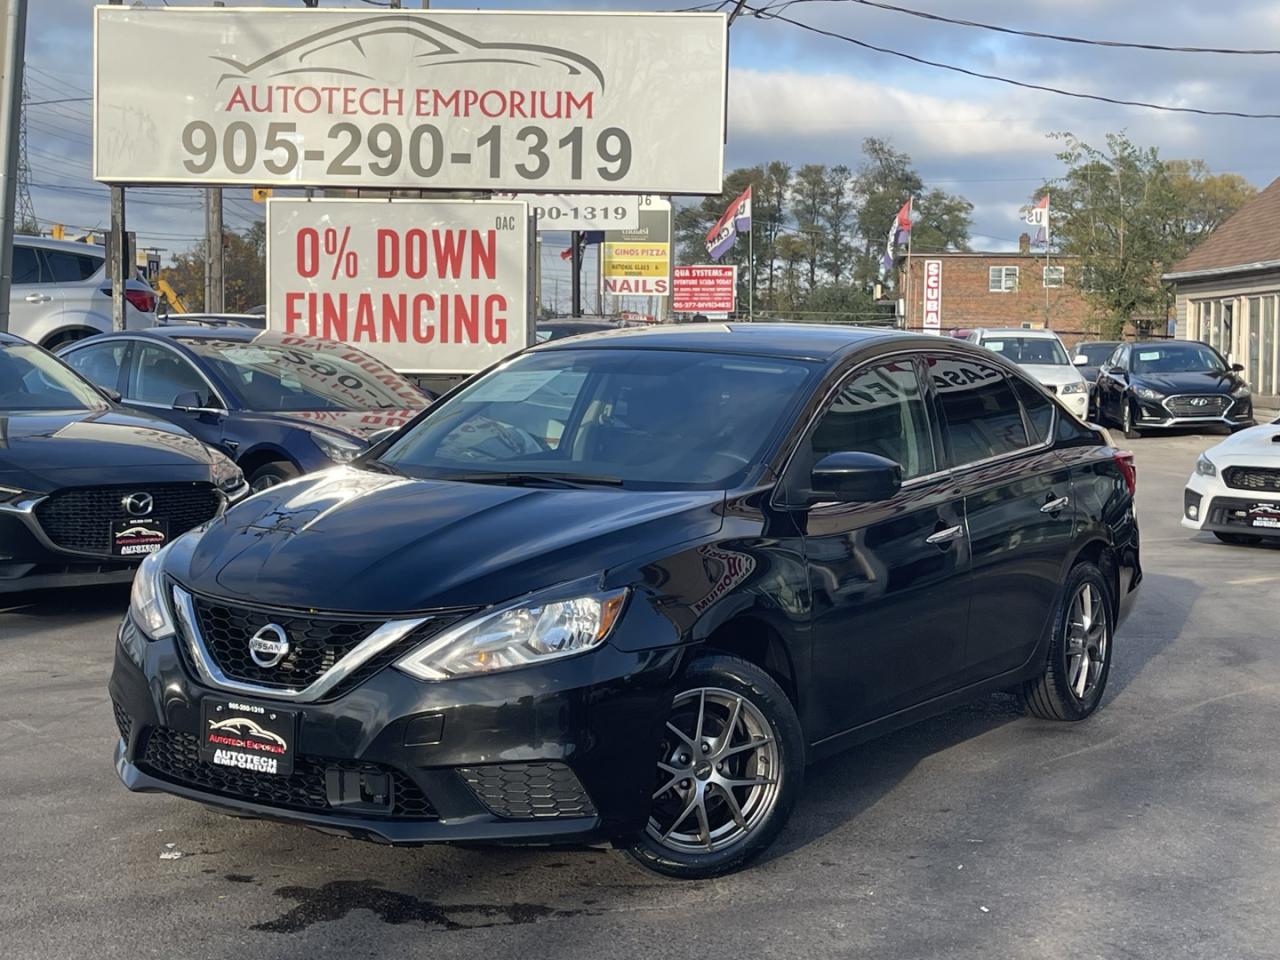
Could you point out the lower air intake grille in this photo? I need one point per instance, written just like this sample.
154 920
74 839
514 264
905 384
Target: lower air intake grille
529 791
175 757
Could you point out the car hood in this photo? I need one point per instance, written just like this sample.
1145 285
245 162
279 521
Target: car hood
1199 381
41 451
357 424
1256 445
1053 373
357 541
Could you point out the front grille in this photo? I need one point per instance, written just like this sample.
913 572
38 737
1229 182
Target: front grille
529 791
315 643
1252 478
174 756
1207 405
124 722
80 518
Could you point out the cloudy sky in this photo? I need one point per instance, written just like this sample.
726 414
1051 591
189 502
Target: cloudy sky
802 98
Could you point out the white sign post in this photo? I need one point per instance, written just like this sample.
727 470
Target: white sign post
449 100
426 286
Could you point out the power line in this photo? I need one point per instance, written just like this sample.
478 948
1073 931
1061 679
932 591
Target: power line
764 15
48 103
1034 34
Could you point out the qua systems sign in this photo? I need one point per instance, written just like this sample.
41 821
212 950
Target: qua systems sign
932 295
456 100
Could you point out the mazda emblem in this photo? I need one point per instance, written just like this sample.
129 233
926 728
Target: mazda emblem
269 645
137 504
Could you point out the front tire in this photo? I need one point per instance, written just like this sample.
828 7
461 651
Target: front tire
729 771
1126 422
1238 539
270 474
1079 663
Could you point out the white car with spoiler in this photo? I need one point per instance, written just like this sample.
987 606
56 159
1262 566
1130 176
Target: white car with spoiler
1234 491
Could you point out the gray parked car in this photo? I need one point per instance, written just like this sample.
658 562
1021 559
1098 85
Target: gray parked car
62 292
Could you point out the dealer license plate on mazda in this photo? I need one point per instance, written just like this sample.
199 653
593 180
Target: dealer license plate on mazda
248 736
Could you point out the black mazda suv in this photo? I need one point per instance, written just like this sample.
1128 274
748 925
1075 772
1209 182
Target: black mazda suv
87 489
623 587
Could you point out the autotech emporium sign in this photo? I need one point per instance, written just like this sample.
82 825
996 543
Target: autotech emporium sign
526 102
426 286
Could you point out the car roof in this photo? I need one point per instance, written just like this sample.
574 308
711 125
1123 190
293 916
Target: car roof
799 341
48 243
178 331
1039 334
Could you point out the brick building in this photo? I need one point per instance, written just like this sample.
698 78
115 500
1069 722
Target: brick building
996 290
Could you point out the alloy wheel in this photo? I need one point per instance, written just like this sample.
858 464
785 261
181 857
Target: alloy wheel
1086 641
264 483
718 772
1126 414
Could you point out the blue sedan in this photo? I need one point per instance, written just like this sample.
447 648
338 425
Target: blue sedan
278 405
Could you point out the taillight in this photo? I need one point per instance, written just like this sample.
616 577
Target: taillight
143 300
1124 460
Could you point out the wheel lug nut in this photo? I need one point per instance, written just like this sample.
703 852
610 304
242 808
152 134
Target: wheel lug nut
706 748
685 784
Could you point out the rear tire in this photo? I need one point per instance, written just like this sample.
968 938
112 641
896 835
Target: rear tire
1238 539
722 797
1079 662
270 474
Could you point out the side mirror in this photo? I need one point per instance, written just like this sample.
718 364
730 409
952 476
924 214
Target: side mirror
112 395
189 402
855 477
1080 360
1238 367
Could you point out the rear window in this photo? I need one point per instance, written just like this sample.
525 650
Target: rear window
983 417
71 267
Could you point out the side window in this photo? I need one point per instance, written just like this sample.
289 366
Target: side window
70 267
879 410
159 375
99 364
1121 359
982 415
1039 409
26 266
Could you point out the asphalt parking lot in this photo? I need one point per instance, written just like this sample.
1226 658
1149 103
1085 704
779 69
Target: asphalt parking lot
1148 831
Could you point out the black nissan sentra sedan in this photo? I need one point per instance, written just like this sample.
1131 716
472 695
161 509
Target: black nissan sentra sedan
87 489
623 587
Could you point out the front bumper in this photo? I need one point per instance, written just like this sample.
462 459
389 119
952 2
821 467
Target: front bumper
29 560
551 754
1077 403
1155 415
1218 508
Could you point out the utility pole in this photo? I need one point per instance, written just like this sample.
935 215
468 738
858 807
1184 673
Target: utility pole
575 245
13 48
214 280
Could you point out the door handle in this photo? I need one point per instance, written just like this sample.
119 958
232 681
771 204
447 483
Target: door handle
945 536
38 298
1055 506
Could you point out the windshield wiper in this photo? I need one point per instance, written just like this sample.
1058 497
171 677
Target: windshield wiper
567 481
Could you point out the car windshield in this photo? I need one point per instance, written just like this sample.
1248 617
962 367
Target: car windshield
1043 350
651 419
1096 353
32 380
1176 358
298 374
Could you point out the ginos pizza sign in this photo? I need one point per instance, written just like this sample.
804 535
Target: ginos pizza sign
933 294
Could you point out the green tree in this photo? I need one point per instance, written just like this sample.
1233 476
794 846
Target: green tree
1129 216
244 270
838 222
810 196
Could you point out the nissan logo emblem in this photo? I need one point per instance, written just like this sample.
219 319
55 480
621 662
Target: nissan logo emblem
269 645
137 504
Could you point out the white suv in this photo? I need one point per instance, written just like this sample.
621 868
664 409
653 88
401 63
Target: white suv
1043 356
62 292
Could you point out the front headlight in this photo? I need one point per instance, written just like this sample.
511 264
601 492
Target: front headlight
227 477
1241 391
1078 386
1205 467
338 449
147 603
1146 393
517 636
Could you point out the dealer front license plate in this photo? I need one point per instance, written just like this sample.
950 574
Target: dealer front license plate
247 736
138 536
1265 515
